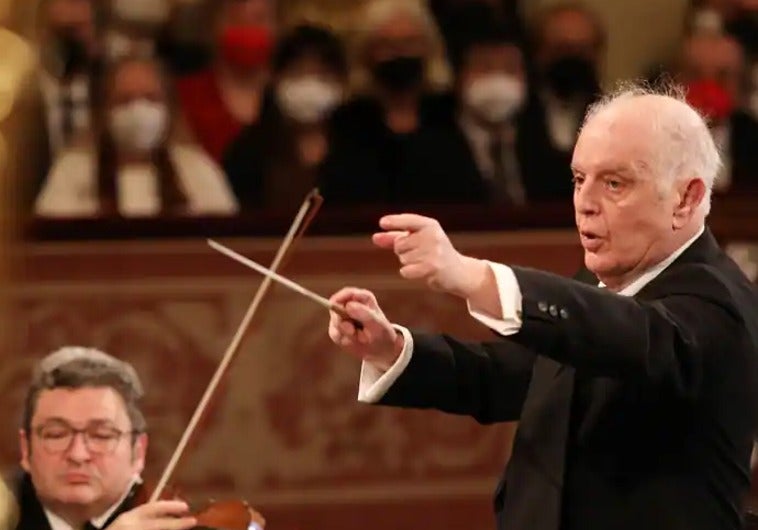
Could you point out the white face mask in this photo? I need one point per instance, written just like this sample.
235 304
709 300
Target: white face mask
139 126
495 98
308 99
152 12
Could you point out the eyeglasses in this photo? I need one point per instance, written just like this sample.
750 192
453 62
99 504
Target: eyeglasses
57 437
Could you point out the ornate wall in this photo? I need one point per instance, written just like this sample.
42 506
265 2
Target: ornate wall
285 430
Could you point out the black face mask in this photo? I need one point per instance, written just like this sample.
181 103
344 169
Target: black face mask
399 74
745 30
572 77
72 55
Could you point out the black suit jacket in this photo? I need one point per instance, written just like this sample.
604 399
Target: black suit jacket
369 163
635 412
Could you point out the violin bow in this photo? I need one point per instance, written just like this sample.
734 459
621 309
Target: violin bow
304 216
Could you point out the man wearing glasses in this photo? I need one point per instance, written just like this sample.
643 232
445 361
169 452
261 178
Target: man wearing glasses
83 444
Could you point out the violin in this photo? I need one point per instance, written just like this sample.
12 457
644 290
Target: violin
217 515
231 514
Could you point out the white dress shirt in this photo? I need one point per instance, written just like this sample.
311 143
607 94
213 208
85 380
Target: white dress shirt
374 383
70 189
57 523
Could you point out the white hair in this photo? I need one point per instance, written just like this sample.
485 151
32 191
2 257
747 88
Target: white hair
685 146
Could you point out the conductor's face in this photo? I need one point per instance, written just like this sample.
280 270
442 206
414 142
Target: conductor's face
627 212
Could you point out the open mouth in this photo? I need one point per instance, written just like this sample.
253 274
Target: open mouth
590 240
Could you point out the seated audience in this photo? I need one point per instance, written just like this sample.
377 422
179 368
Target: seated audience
218 101
713 67
70 65
738 18
276 162
135 170
569 45
396 142
491 91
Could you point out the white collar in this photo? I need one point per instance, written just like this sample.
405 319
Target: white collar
648 276
57 523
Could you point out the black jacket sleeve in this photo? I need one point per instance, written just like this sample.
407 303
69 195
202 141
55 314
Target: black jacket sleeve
487 381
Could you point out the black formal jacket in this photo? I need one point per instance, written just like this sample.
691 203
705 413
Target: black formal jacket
635 412
368 163
32 515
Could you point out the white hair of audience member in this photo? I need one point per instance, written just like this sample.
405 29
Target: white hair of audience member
376 13
69 354
685 145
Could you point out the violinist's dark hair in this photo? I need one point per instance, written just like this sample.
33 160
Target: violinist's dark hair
77 367
172 196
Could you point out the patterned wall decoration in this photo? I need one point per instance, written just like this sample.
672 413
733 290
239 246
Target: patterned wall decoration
285 429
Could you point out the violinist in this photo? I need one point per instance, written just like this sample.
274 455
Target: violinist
83 442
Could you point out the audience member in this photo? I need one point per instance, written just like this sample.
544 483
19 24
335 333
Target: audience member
275 162
713 66
218 101
135 170
492 92
738 18
569 44
393 143
70 64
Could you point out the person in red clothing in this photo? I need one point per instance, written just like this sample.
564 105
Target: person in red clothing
218 101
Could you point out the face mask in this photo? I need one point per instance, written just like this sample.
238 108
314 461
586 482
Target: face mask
399 74
572 77
308 99
150 12
246 47
139 126
710 99
495 98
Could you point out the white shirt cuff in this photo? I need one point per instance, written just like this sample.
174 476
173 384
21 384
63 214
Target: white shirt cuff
509 293
376 382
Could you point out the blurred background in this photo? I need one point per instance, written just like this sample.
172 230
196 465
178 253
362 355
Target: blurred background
131 130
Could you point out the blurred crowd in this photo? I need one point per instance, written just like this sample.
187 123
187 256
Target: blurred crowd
442 102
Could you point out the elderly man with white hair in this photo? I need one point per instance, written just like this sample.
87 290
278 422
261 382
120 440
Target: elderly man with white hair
637 396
